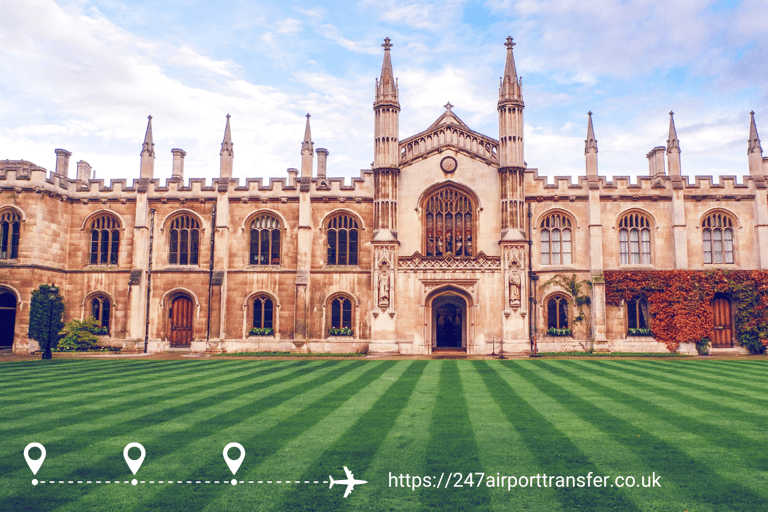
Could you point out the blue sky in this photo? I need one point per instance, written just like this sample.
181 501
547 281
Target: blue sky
84 76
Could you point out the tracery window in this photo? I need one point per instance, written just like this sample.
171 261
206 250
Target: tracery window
184 238
265 240
637 315
717 238
448 227
557 312
342 239
105 240
263 311
341 312
10 224
635 239
556 236
101 311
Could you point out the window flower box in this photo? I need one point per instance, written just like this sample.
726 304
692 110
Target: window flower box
343 331
558 332
639 332
261 331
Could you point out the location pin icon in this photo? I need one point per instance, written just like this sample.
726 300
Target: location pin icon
234 464
33 464
134 465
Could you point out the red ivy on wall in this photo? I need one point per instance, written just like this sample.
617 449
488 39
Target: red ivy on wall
679 302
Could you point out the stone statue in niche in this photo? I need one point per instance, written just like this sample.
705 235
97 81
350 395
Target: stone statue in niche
515 282
383 284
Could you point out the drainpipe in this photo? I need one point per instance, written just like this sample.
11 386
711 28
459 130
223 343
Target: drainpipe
149 275
210 271
532 279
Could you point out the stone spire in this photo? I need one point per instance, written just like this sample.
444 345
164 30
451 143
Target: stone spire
148 153
386 108
227 154
386 87
673 148
754 149
510 109
590 148
307 152
511 85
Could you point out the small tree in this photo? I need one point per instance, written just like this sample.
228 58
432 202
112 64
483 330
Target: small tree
45 313
80 335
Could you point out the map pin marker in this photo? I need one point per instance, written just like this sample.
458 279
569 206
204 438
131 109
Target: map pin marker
234 464
34 465
134 465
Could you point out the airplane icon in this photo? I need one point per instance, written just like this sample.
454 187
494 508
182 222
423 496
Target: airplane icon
350 482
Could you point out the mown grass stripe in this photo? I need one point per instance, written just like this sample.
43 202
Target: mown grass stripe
703 401
100 436
554 450
270 441
665 405
724 372
116 385
404 449
83 372
502 449
119 404
693 477
718 389
180 456
452 446
356 448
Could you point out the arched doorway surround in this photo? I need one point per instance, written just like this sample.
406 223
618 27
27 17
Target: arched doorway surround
449 318
722 328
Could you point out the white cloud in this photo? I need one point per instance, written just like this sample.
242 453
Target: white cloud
289 26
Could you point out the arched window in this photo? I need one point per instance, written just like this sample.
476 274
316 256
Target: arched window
557 312
184 239
556 236
105 240
717 238
638 320
635 239
101 311
448 226
342 240
265 240
341 316
263 314
10 224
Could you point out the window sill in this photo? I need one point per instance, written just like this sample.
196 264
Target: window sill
637 266
100 267
338 337
182 267
559 266
261 337
262 268
641 338
8 263
719 265
342 268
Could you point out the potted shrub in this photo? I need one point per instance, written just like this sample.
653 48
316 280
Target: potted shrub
340 331
558 332
702 346
261 331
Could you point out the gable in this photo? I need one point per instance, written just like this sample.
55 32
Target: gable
449 132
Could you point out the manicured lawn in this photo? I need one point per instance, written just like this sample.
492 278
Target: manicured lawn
699 425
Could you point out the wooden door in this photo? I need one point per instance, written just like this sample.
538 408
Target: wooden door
7 319
180 316
722 330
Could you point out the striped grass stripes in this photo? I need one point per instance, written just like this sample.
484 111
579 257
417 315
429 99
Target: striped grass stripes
699 426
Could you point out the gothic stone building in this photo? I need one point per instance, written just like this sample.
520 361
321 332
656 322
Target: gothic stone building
444 243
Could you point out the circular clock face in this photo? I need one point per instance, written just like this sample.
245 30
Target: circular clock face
448 164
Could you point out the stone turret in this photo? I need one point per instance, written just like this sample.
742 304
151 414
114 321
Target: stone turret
227 153
307 152
673 149
590 150
754 149
62 162
510 109
148 153
178 163
386 109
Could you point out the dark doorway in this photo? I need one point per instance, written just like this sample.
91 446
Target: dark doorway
722 330
449 322
180 315
7 318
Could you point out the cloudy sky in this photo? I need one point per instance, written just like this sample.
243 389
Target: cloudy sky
83 75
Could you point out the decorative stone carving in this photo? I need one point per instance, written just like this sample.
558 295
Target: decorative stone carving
383 275
383 287
417 262
514 268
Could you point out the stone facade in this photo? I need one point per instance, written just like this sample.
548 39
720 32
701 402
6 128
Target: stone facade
444 243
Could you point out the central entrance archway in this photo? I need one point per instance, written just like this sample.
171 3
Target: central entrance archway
449 322
180 315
